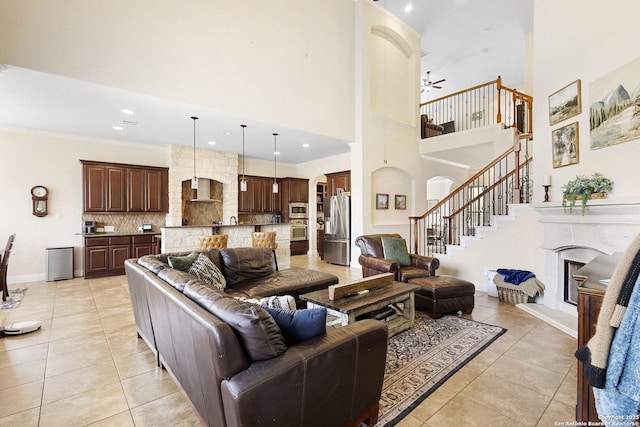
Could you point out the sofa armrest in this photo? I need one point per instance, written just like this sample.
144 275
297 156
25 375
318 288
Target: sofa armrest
425 262
380 264
327 380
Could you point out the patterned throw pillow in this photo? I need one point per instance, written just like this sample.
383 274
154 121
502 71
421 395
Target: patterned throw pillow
204 269
280 302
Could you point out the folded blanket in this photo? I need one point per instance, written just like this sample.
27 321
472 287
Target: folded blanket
515 276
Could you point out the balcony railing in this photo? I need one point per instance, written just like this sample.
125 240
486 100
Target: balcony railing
483 105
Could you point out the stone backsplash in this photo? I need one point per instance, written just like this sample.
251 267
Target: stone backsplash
126 222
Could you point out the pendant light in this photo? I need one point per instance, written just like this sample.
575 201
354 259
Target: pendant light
194 180
243 181
275 145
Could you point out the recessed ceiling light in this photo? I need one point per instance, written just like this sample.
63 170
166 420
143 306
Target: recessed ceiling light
118 127
126 111
305 145
211 143
276 153
408 8
226 132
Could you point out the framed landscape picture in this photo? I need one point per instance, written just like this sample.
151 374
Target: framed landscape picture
382 201
401 201
565 145
614 107
565 103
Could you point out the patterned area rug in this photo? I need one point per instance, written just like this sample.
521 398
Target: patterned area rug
422 358
14 298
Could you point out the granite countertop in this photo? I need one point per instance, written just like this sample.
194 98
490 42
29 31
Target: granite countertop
228 225
118 234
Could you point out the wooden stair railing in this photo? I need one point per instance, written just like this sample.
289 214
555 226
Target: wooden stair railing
482 105
486 193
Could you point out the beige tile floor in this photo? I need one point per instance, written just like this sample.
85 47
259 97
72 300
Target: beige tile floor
86 366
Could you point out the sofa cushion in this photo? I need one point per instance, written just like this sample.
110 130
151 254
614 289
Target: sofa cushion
241 264
300 325
152 263
183 262
256 329
290 281
204 269
395 249
177 278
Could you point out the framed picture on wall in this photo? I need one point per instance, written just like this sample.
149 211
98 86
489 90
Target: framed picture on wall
401 201
382 201
565 103
565 143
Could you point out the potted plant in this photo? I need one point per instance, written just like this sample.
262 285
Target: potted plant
585 188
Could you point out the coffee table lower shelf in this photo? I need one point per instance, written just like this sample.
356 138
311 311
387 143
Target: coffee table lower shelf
346 310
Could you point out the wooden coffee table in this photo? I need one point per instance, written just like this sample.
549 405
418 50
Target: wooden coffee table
399 295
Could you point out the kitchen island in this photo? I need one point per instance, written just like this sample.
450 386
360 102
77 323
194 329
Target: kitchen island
186 238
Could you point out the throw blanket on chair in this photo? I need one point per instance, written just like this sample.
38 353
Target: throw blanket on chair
620 397
595 354
515 276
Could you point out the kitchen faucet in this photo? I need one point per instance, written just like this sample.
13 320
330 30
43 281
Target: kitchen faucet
233 220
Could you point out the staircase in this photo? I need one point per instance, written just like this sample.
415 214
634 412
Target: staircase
496 187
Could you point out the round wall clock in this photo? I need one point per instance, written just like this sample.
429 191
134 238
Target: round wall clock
39 198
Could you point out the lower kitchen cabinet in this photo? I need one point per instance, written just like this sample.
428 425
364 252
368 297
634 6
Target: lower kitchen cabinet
299 247
105 256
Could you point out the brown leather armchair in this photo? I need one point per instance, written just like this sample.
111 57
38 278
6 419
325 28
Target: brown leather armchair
373 262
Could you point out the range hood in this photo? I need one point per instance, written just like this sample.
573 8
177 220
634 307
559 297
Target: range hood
203 193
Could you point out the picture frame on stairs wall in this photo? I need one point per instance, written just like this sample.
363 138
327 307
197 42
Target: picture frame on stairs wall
382 201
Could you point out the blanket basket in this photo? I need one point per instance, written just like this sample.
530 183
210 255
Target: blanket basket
513 296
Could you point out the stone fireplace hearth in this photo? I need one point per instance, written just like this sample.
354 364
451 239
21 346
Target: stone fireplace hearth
608 226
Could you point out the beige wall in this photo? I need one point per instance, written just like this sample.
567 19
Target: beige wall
30 159
234 57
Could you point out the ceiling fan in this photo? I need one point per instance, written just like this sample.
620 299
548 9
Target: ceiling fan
426 83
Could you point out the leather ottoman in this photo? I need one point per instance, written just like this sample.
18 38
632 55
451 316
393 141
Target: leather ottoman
443 294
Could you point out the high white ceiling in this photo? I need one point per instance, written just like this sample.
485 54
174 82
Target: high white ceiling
467 42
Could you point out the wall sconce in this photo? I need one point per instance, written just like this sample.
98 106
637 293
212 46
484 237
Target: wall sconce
243 181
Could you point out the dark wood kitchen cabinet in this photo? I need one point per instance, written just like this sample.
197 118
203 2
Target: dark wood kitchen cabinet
104 188
259 197
146 190
105 255
338 180
294 190
111 187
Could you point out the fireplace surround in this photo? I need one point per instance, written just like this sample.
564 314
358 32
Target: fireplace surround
608 226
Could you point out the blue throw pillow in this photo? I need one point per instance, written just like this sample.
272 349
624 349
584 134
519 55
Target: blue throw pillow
300 325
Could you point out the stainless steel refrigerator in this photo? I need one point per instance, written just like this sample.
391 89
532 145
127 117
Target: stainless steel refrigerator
337 229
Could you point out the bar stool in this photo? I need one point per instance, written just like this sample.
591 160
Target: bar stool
264 239
214 241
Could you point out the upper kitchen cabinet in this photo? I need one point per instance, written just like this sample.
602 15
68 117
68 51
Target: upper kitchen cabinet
109 187
259 197
146 190
294 190
338 180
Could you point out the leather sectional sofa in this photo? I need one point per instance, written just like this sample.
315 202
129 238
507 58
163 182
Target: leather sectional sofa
227 363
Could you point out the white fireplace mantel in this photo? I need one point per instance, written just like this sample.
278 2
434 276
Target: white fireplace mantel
608 225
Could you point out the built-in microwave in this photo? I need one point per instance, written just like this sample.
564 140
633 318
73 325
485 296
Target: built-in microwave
298 210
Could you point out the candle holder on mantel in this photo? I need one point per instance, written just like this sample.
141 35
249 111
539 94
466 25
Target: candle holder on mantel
546 192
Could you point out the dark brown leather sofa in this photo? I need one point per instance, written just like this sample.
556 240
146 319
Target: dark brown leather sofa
373 262
330 380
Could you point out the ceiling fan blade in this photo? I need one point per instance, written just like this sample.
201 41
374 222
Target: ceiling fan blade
439 81
437 87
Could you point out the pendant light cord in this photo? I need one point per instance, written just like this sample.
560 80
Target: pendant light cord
275 150
243 126
194 118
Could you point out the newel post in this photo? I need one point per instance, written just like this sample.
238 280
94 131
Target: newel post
499 86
